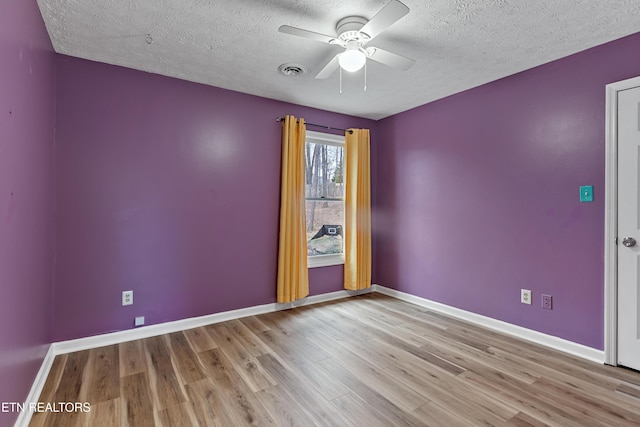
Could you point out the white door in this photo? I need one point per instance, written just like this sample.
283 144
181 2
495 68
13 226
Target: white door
629 228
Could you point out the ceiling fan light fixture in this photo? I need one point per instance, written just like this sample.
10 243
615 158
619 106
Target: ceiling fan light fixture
352 59
353 33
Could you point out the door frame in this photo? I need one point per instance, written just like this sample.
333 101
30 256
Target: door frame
611 220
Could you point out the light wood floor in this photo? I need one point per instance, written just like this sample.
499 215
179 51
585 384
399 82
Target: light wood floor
362 361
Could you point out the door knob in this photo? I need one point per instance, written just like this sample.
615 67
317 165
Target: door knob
629 242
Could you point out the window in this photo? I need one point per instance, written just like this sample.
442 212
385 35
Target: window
324 191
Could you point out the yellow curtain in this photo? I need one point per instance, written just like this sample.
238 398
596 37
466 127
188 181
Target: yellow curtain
357 256
293 278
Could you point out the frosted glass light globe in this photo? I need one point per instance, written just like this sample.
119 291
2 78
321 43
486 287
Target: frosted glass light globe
352 60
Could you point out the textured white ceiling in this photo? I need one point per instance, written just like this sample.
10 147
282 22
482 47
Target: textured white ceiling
235 44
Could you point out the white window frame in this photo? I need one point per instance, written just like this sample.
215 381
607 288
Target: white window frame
339 141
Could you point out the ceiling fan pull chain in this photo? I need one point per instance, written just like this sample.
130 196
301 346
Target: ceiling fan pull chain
340 80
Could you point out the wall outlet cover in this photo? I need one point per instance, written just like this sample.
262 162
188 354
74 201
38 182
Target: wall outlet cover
586 193
525 296
547 301
127 297
139 321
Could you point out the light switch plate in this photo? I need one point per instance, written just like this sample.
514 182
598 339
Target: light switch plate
586 193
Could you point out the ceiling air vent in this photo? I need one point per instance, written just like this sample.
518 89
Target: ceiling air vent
292 69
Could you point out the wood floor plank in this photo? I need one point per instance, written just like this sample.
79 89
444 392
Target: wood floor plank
367 316
103 374
298 350
304 355
166 389
393 413
200 339
438 416
629 390
368 360
208 404
71 383
450 334
247 366
601 408
282 409
312 401
137 407
330 333
49 389
53 379
240 402
247 338
72 388
367 313
358 412
416 313
598 389
177 415
450 394
387 385
286 322
523 420
447 392
472 358
186 360
105 414
524 399
322 380
545 357
359 344
132 358
254 324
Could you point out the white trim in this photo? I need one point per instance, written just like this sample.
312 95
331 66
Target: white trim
325 260
610 230
325 138
79 344
611 220
24 418
498 325
64 347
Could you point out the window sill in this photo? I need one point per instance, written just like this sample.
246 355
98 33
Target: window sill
325 260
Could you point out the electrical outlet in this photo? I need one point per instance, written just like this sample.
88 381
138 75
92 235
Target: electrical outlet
127 297
525 296
139 321
547 301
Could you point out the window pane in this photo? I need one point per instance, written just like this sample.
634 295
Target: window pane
325 222
324 171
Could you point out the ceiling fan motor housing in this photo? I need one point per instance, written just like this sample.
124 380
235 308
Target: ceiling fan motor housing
348 29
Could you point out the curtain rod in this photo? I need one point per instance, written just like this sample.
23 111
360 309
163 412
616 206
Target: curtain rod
280 119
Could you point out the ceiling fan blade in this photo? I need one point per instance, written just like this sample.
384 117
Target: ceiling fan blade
306 34
391 59
390 13
329 69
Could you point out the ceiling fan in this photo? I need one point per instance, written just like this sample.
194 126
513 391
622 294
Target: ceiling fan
353 34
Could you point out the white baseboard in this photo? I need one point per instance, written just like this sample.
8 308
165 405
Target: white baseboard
70 346
556 343
63 347
79 344
24 417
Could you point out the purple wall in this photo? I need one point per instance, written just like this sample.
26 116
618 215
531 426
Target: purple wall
478 195
168 188
27 101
